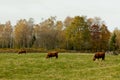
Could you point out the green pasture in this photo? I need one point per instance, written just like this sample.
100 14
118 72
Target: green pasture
69 66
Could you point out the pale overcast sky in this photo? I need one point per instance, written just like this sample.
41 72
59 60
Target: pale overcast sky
107 10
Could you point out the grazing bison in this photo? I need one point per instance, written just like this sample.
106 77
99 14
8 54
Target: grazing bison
99 55
52 54
22 51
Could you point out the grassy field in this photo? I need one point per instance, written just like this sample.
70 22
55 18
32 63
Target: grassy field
69 66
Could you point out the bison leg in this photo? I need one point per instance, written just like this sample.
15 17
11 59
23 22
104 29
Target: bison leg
103 58
56 56
94 59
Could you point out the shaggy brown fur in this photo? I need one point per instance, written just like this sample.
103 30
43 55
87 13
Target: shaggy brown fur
22 51
52 54
99 55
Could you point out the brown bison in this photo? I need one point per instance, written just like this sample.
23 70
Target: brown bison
22 51
99 55
52 54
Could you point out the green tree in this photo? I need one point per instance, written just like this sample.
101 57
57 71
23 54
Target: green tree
78 35
112 43
117 32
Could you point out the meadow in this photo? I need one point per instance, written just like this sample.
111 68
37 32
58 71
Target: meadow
69 66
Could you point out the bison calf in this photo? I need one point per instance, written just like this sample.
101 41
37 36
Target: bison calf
22 51
99 55
52 54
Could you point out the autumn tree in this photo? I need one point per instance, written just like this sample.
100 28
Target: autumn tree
23 33
6 36
74 33
43 33
48 33
1 35
104 37
68 42
95 36
60 38
68 20
31 38
99 34
59 26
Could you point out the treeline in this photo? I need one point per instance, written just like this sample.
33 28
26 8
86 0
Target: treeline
74 33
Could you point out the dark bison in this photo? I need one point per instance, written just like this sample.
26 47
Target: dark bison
52 54
99 55
22 51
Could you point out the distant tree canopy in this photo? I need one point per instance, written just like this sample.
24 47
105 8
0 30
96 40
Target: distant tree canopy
74 33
